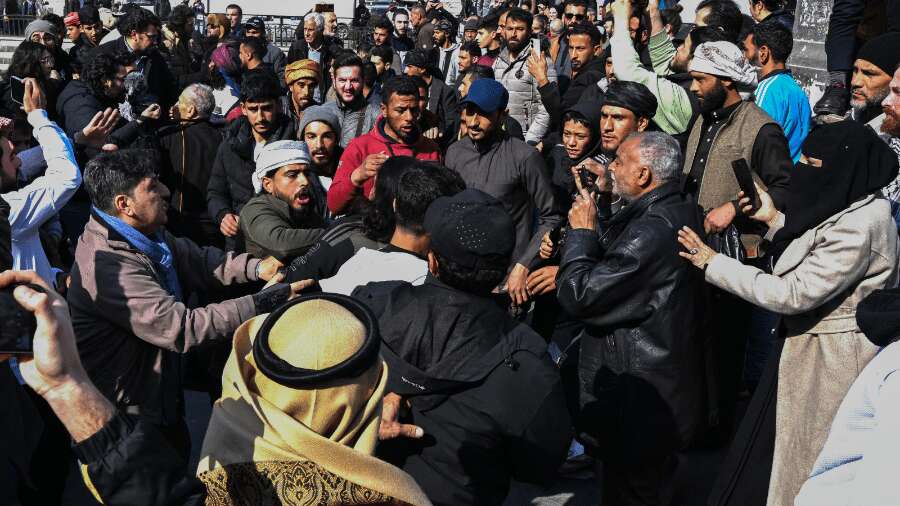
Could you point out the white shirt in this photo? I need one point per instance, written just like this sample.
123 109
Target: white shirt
370 266
35 204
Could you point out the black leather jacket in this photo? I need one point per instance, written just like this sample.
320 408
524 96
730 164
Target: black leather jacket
641 362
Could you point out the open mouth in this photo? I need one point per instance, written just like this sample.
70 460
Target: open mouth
302 198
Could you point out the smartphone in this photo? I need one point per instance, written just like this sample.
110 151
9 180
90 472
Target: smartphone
17 89
17 324
536 44
587 179
745 181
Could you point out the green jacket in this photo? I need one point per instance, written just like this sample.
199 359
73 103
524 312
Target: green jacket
271 228
673 114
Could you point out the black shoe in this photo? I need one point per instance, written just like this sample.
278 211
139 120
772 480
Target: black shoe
835 101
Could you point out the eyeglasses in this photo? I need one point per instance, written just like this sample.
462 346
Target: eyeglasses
578 17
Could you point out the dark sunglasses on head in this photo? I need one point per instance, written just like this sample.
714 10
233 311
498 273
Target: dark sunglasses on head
578 17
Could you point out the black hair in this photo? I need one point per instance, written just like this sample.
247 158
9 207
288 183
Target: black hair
400 85
364 51
770 5
235 6
370 74
480 72
419 82
384 23
471 47
701 34
384 52
724 15
260 85
490 22
256 45
672 17
26 62
578 118
99 69
117 173
585 28
138 20
179 16
418 187
56 20
400 11
577 3
378 215
347 60
776 37
543 19
476 281
519 14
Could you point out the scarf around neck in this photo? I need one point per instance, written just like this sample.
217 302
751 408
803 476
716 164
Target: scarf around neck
154 247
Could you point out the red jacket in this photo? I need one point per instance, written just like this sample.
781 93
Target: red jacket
342 190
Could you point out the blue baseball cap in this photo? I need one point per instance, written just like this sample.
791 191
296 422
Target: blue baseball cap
488 95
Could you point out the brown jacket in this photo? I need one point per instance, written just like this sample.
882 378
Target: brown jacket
130 330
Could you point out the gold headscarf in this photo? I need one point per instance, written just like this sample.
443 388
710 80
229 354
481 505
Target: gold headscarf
269 443
300 69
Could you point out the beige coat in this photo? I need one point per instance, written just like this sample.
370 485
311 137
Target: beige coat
816 285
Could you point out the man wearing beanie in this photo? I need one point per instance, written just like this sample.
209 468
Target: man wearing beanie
287 215
509 170
303 78
320 130
460 361
875 64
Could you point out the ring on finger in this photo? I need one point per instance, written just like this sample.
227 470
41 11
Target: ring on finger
693 251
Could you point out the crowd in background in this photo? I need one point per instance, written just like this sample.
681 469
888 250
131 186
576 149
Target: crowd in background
523 241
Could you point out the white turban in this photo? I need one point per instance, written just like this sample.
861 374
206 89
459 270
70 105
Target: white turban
724 59
275 155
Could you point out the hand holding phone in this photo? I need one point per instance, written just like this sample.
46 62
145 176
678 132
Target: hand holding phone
17 89
745 181
17 324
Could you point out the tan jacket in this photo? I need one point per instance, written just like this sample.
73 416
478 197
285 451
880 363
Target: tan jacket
125 321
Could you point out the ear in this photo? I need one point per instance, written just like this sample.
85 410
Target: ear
192 111
267 184
121 205
243 109
642 124
432 264
728 83
764 54
645 177
383 110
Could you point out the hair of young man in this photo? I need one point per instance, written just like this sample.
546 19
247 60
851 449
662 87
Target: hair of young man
777 37
586 28
256 45
472 48
480 72
519 14
418 188
577 3
26 61
578 118
401 11
378 215
384 23
235 6
702 34
348 59
99 69
724 15
370 74
138 20
672 17
400 85
117 173
384 52
770 5
260 85
179 16
476 281
419 82
490 22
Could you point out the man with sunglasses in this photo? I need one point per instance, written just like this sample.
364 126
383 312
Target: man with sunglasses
140 30
575 12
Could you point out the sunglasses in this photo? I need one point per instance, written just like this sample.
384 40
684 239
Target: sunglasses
578 17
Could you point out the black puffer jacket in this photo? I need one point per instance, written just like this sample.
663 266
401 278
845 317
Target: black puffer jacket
230 184
641 364
481 386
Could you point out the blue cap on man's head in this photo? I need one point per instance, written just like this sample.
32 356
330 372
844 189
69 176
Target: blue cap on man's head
488 95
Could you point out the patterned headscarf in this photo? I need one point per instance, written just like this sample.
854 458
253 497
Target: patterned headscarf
302 68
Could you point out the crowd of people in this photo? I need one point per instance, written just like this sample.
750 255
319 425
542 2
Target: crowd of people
525 240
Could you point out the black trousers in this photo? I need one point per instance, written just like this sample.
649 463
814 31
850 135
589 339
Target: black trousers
841 42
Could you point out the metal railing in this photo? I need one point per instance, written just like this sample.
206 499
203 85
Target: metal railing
14 25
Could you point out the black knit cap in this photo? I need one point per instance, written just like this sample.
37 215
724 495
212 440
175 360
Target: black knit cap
419 58
471 228
882 51
88 15
878 316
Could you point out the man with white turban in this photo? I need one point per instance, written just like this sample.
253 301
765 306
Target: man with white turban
286 216
731 128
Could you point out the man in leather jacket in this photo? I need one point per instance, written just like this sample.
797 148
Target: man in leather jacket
641 362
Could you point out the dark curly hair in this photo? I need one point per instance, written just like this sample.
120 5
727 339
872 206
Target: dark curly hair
479 281
178 18
26 62
378 214
138 20
101 68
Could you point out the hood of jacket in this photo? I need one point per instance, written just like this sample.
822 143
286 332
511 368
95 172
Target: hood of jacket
456 340
590 111
239 135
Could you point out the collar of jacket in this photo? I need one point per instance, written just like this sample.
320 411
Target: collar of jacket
496 140
286 212
639 206
505 56
240 135
774 73
427 392
724 113
387 139
114 239
594 64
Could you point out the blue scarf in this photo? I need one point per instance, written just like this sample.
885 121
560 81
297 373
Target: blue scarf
154 247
